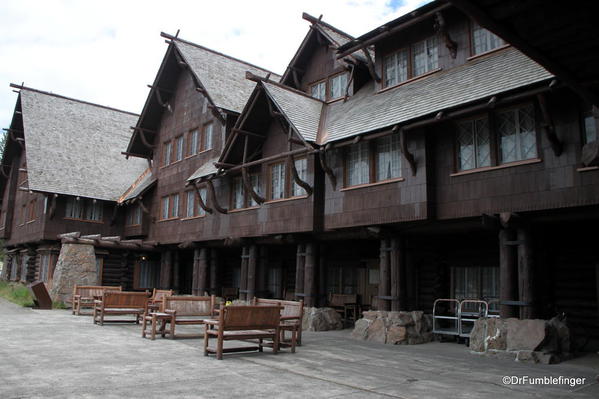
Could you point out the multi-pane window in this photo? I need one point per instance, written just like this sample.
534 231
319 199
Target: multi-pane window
190 205
396 68
516 129
133 215
255 182
512 137
484 40
193 144
301 165
179 148
424 56
319 90
203 194
239 197
175 206
388 157
277 181
474 144
337 85
358 164
207 141
165 205
84 209
590 126
474 282
167 151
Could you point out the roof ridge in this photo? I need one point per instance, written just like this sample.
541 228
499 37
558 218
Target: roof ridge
315 20
48 93
171 37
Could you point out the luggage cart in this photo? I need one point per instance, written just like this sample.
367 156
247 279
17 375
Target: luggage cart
470 310
450 316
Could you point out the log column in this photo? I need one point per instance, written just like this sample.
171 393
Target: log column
176 272
322 277
299 270
213 271
309 272
251 272
508 275
202 271
165 270
261 271
243 275
526 273
397 272
195 272
384 273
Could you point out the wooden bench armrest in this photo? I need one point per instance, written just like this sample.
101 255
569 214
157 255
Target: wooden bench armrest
211 322
97 301
77 296
170 311
290 317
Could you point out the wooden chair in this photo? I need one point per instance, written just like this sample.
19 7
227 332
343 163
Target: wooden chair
156 299
179 310
119 303
84 296
291 319
346 305
242 323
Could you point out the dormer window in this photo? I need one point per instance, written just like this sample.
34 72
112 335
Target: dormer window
419 59
330 89
484 40
319 90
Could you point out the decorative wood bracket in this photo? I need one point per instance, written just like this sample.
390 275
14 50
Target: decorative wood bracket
404 149
143 207
180 61
296 177
441 28
52 210
163 104
142 136
549 127
371 68
327 170
247 185
203 205
213 199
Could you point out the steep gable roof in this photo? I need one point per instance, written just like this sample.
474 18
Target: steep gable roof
74 147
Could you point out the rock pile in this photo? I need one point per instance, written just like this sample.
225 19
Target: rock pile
394 328
321 319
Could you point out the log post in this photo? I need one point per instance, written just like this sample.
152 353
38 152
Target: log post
123 271
396 270
203 271
195 272
251 279
176 273
213 271
322 277
526 274
262 271
299 270
508 276
309 272
165 270
243 277
383 303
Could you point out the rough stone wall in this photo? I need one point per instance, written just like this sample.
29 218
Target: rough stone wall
76 265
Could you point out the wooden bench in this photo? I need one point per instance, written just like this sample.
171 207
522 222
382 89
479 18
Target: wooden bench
243 323
179 310
291 319
84 296
117 303
155 301
346 305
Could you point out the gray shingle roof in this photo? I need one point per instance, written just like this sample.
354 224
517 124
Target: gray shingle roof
302 111
142 183
206 169
221 75
74 148
477 79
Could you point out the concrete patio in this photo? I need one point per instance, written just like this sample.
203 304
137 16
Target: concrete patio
52 354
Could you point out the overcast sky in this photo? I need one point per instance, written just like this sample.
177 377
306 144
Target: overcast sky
108 51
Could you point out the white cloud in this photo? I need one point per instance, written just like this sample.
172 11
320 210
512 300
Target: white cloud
108 51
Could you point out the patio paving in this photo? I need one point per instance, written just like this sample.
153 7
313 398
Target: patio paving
51 354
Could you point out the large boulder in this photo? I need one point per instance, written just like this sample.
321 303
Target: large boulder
76 265
394 328
478 335
321 319
361 329
378 331
527 335
496 334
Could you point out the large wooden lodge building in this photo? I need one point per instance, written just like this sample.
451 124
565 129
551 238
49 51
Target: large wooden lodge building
426 159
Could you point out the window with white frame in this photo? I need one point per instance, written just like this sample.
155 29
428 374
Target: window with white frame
84 209
94 210
74 208
474 144
237 193
396 68
207 142
193 142
203 194
358 164
164 211
388 157
301 165
277 181
255 182
167 153
424 56
179 148
484 40
516 129
133 215
319 90
175 206
190 204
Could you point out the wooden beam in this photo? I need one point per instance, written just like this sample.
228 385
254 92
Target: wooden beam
243 273
296 177
270 158
201 202
441 29
300 263
327 169
526 276
202 271
508 274
251 272
371 66
213 198
309 275
247 185
403 141
548 126
384 275
250 134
